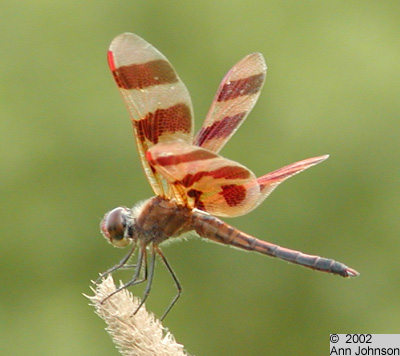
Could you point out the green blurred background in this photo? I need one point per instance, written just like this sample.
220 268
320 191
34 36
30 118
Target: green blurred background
68 155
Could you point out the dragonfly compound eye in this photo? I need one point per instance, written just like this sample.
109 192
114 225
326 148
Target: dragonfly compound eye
113 227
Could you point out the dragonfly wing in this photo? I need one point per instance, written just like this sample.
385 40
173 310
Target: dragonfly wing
270 181
204 180
157 100
236 96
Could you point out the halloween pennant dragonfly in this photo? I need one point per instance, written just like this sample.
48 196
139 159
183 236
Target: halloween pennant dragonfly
192 182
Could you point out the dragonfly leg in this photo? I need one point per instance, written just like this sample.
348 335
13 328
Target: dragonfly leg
142 261
120 264
149 280
174 277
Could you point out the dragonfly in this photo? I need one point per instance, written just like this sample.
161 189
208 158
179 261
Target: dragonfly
193 184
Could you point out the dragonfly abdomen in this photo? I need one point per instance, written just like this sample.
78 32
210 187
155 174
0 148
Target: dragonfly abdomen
215 229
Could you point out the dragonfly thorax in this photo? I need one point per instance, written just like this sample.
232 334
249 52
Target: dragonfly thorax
158 219
152 221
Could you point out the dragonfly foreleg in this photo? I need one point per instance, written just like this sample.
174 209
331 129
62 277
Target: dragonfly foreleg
142 261
120 264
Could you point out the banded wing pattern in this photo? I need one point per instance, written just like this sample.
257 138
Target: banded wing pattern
216 185
187 174
157 100
204 179
236 96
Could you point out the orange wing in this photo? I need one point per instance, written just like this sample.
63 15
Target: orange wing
204 180
157 100
162 119
236 96
270 181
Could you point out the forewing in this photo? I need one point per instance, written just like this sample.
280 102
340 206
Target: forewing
236 96
204 180
157 100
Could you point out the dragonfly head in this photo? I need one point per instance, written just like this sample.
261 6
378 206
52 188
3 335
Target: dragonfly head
116 226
